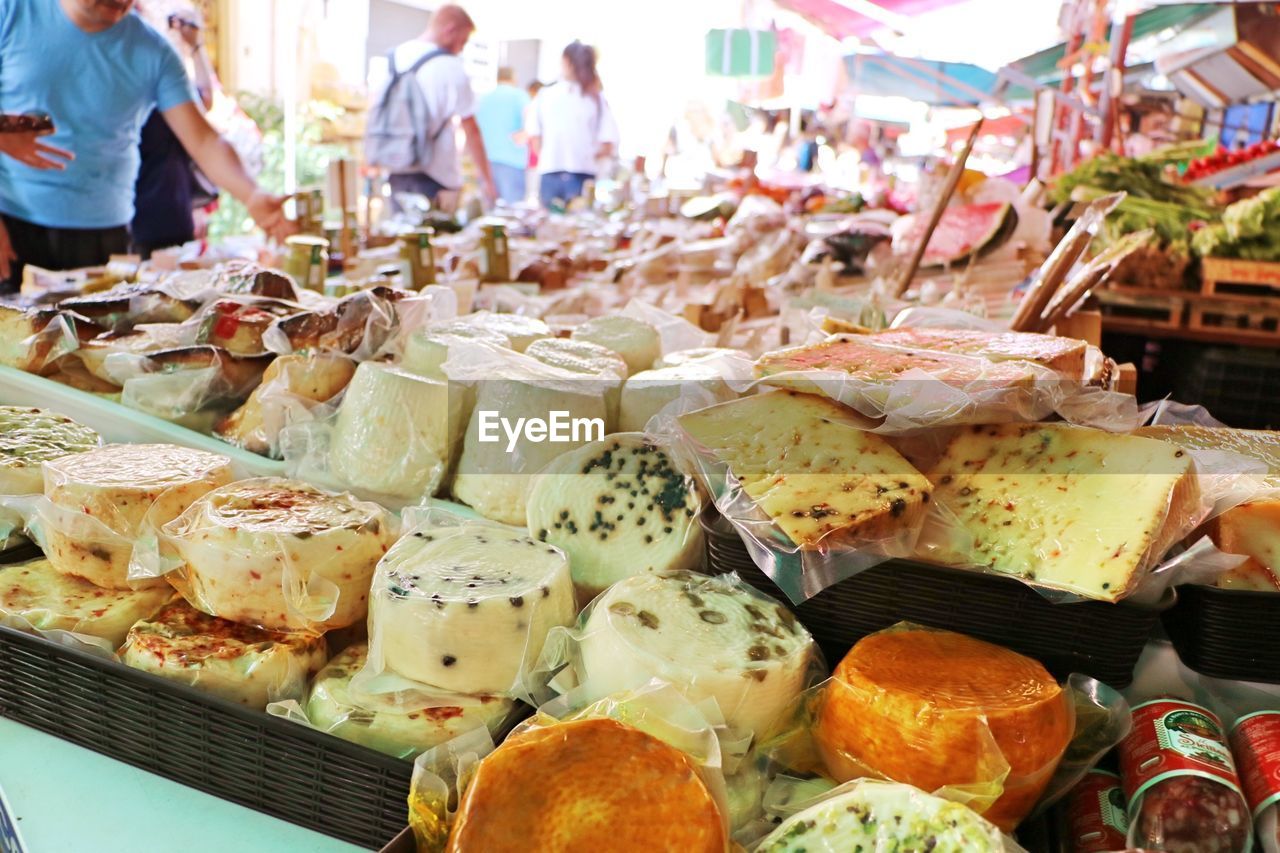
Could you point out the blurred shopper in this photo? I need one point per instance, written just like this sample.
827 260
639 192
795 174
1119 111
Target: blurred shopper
170 186
98 71
410 129
571 128
500 115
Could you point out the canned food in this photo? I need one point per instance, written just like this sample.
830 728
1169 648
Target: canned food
416 248
495 263
307 260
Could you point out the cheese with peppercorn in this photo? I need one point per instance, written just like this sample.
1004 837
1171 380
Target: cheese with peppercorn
709 637
810 466
104 499
636 341
48 600
231 661
1076 509
386 722
279 554
467 608
29 438
617 508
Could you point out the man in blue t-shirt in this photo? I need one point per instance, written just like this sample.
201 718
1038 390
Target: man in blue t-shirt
500 115
97 70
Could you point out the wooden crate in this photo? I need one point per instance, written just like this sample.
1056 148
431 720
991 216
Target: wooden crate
1228 278
1258 318
1155 308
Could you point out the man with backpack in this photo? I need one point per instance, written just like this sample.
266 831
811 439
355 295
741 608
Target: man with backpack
410 130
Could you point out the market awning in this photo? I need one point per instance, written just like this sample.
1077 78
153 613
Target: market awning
841 19
1229 58
928 81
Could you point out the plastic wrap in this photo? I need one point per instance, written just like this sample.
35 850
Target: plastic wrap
815 496
29 438
686 387
617 508
426 351
465 607
635 340
99 504
231 661
675 333
96 354
869 814
588 359
1102 719
359 325
439 777
35 340
171 300
294 390
385 724
1180 781
519 330
965 719
37 598
710 637
277 554
192 386
237 323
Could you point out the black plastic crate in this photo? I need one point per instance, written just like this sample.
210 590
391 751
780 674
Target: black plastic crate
1096 638
286 770
1227 633
1237 386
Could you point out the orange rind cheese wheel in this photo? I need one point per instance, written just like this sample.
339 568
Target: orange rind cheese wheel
936 709
587 785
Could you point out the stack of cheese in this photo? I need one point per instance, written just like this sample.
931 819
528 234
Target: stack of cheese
29 438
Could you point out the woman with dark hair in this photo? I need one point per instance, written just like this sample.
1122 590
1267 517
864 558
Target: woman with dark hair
571 128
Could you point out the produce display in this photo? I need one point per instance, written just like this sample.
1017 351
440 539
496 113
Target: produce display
1247 231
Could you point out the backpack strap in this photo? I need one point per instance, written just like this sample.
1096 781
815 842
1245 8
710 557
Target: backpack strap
413 69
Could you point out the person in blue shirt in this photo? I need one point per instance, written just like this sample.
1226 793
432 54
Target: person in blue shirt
500 115
66 200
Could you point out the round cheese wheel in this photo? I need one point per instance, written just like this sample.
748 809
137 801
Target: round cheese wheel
104 496
617 507
48 600
426 351
279 554
709 637
516 328
30 437
232 661
650 391
387 724
395 432
714 355
467 609
935 709
636 341
587 359
587 785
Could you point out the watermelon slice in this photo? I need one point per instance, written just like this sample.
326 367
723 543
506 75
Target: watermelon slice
963 232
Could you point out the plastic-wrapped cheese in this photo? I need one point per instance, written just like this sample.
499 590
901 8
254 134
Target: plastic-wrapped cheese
636 341
717 355
396 432
467 608
31 437
103 499
880 816
231 661
708 637
381 722
426 351
617 507
588 359
650 391
48 600
516 328
592 784
279 554
937 709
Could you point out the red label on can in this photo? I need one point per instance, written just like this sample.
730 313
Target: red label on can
1174 738
1096 816
1255 740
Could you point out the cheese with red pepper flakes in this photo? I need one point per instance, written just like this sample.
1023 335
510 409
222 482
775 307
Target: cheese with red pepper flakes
1076 509
593 784
1062 355
811 467
104 499
29 438
279 554
51 601
467 608
392 724
234 662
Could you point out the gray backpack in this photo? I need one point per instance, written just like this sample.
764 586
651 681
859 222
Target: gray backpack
399 136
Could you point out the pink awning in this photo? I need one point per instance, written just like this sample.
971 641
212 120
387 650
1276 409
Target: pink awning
839 21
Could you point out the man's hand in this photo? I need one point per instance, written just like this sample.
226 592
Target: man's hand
7 254
268 212
27 148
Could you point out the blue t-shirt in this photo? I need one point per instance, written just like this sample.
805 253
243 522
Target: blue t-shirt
99 88
501 114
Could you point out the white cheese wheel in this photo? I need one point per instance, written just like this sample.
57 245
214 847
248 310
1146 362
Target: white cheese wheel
279 554
106 498
518 329
588 359
636 341
709 637
29 438
467 609
712 354
48 600
382 722
231 661
617 507
396 432
426 351
650 391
